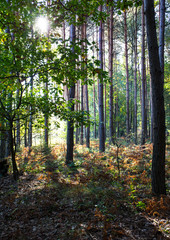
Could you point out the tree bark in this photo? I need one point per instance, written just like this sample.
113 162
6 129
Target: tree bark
143 75
94 99
135 80
70 123
158 158
161 36
12 150
110 34
127 74
101 112
87 95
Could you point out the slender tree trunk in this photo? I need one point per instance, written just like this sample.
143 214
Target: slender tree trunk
135 80
94 107
25 134
77 109
94 99
143 73
18 140
70 123
30 118
82 86
3 142
151 107
97 53
101 112
87 95
12 150
88 127
105 95
46 120
82 109
110 34
158 158
46 117
127 75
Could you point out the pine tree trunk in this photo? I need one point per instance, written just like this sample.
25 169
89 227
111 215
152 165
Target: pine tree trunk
82 109
94 108
158 158
30 119
18 140
161 36
143 73
127 75
135 81
12 150
101 112
94 100
46 116
77 109
110 34
104 68
151 110
86 94
3 142
25 134
70 123
46 120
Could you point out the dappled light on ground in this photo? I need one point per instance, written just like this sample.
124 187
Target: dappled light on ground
103 196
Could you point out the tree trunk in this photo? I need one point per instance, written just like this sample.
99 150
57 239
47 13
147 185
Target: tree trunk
77 109
161 36
30 119
158 158
82 108
94 99
105 95
70 123
151 112
87 95
101 112
143 74
110 34
127 75
46 116
46 120
88 127
3 142
12 150
135 81
18 140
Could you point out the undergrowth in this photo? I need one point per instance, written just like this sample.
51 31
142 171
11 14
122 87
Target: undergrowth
109 183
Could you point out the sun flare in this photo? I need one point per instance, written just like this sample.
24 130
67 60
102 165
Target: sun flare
42 24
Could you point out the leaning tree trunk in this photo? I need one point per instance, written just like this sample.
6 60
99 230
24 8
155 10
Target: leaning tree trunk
70 123
158 158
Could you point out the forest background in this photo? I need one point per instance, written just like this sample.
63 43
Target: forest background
60 59
84 105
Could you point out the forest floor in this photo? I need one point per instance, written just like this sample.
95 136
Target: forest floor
104 196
